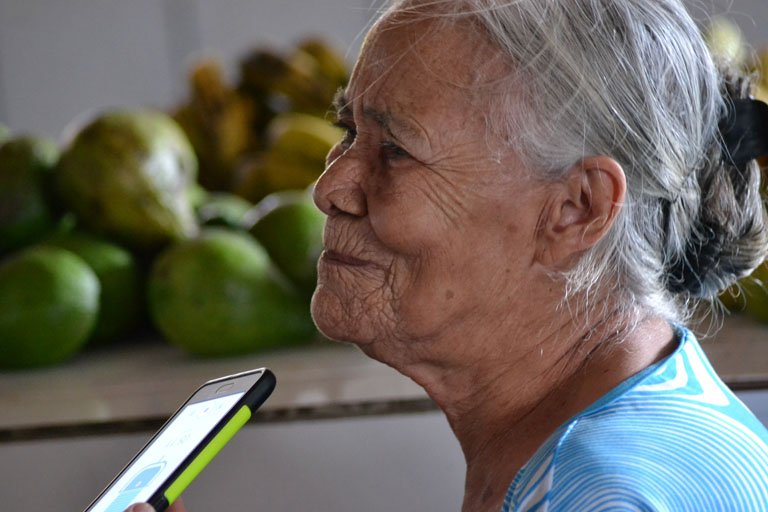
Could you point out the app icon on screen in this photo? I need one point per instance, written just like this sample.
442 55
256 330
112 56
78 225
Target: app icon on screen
135 486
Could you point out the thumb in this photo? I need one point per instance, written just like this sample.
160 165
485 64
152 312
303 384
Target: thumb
140 507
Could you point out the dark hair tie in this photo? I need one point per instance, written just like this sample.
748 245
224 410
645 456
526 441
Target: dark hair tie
744 131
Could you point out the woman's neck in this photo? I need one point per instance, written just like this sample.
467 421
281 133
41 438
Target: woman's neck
505 402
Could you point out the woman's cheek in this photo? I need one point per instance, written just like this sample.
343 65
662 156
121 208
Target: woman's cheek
402 225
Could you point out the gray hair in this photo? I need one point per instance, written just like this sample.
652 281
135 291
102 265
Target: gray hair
633 80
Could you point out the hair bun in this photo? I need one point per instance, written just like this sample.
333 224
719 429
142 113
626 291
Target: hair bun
729 237
744 131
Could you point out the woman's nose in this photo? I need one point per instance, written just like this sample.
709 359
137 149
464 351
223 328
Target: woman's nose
338 190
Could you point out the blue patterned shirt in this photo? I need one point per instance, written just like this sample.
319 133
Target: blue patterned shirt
671 438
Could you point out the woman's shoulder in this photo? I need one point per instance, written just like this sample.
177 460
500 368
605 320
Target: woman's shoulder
673 437
666 457
682 389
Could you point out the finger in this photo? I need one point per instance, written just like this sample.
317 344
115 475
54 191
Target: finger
140 507
177 506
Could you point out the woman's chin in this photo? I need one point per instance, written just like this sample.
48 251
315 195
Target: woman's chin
332 318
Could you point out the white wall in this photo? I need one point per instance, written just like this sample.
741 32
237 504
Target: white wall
373 464
59 58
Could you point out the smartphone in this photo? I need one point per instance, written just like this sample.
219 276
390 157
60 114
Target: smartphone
187 442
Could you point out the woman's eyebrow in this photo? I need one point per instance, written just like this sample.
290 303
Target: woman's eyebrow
398 128
341 104
394 126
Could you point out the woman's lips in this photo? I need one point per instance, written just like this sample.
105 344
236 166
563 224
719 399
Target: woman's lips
337 258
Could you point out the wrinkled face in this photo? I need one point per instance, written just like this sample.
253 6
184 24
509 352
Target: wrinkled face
430 229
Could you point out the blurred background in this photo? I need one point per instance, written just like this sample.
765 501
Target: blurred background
61 58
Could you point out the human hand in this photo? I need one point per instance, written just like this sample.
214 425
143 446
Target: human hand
177 506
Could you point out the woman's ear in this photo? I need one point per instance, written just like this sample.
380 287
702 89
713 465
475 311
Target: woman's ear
581 210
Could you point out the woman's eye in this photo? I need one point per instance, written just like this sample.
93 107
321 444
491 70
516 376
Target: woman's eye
391 151
349 136
349 133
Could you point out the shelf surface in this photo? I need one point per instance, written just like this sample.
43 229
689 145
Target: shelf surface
134 386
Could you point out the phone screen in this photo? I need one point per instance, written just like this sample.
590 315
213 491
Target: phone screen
139 481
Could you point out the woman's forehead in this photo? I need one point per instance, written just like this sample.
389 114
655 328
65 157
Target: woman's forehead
429 52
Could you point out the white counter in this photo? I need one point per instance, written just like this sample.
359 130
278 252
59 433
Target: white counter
134 386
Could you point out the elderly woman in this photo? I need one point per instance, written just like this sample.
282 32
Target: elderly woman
530 199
